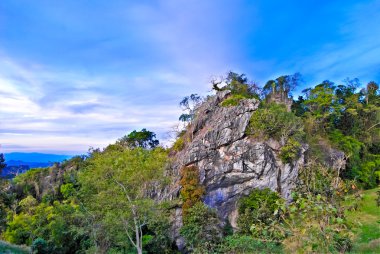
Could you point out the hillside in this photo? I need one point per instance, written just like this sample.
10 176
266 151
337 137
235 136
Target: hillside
251 172
18 163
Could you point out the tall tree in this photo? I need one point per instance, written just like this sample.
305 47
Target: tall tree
115 190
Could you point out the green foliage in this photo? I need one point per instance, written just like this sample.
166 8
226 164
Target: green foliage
39 246
179 144
114 188
364 167
239 86
256 215
247 244
364 221
290 151
67 190
315 224
201 229
316 178
350 120
273 121
51 222
282 85
143 139
233 100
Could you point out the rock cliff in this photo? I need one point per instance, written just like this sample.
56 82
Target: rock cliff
230 163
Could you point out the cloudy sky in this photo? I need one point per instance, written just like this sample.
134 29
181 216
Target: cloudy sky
79 74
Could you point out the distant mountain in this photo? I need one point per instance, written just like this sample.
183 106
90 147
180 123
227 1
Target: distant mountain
36 157
30 164
18 163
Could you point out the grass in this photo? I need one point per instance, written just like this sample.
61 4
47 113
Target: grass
365 221
7 248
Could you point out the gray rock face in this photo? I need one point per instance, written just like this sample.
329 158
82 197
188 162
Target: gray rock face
231 164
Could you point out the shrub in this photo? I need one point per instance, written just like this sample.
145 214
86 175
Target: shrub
233 100
256 214
192 191
273 121
201 229
315 225
39 246
247 244
179 144
67 190
290 151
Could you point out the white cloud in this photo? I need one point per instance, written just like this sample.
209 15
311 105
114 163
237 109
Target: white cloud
81 111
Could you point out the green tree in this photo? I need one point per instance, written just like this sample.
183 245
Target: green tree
282 86
189 105
201 229
115 189
144 139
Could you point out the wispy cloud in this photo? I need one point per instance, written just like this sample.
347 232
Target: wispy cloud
74 76
76 114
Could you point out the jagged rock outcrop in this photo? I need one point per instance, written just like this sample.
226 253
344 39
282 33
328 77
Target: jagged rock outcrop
231 164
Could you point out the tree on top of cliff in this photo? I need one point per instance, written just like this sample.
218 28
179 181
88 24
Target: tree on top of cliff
189 104
238 84
281 86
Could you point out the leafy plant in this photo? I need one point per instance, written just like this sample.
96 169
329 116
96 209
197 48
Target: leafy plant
233 100
274 121
39 246
144 139
314 224
179 144
248 244
290 151
256 214
201 229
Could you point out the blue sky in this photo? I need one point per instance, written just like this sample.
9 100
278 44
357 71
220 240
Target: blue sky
80 74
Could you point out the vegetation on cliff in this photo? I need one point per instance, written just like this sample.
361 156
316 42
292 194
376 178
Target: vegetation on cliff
110 201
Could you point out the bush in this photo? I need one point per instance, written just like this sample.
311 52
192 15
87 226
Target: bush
247 244
201 229
315 225
233 100
179 144
39 246
273 121
67 190
290 151
257 215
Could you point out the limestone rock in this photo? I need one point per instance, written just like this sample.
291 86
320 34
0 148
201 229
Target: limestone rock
230 163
